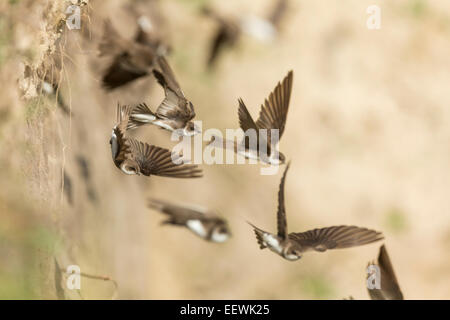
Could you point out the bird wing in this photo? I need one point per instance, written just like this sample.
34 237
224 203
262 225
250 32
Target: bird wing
175 105
158 161
246 122
337 237
274 111
219 41
122 71
179 214
390 290
141 109
123 113
131 60
281 212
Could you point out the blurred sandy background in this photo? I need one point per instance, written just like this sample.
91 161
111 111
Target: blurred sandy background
368 133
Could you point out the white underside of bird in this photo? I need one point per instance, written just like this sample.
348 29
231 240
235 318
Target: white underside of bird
219 237
274 245
196 227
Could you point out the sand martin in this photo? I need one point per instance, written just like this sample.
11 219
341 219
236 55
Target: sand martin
230 29
132 59
390 290
291 246
205 224
174 113
273 115
134 157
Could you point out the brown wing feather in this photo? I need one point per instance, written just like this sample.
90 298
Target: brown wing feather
274 112
140 109
174 105
167 77
281 212
158 161
245 119
337 237
390 290
178 214
246 123
123 113
121 72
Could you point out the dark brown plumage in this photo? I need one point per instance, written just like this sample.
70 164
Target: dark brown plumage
390 289
131 59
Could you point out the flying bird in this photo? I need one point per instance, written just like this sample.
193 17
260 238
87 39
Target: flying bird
291 246
390 290
205 224
272 116
134 157
230 29
132 59
175 113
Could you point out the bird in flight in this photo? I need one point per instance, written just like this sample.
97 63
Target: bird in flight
390 290
291 246
205 224
272 116
134 157
230 29
132 59
175 113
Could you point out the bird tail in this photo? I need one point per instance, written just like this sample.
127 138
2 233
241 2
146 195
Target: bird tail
259 235
140 115
123 112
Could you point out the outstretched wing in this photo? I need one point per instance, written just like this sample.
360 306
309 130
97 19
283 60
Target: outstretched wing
123 147
175 105
274 111
281 212
390 290
246 123
158 161
179 214
337 237
245 119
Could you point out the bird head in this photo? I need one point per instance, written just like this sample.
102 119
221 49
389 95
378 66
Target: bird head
291 253
191 129
220 233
